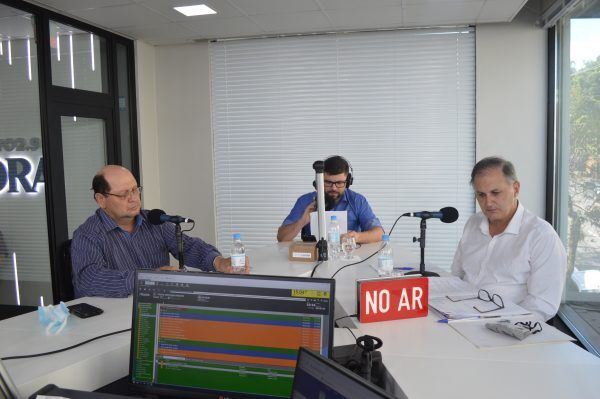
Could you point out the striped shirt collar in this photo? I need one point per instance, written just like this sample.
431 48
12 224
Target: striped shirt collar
109 224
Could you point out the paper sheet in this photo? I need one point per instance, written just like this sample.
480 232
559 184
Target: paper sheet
479 335
465 308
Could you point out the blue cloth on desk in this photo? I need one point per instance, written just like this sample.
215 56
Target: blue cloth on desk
360 214
105 256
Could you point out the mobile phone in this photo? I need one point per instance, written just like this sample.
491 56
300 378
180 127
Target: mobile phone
85 310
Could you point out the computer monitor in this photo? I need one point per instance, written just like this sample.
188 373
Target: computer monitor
226 334
320 378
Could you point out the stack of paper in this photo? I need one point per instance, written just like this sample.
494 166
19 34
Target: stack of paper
461 308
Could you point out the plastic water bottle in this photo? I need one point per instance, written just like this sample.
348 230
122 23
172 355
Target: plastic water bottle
385 261
333 238
238 253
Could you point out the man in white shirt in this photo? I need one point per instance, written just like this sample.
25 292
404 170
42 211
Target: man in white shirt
508 250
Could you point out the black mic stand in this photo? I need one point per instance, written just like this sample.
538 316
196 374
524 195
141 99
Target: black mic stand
179 238
319 167
421 240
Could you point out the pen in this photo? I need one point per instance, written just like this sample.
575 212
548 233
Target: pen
404 268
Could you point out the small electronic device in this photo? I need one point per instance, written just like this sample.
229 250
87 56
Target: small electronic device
85 310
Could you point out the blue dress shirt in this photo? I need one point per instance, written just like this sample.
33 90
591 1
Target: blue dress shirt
360 214
105 257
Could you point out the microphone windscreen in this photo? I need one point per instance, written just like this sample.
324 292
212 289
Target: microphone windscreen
449 214
154 216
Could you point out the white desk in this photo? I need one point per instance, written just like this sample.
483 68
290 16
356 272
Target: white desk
431 360
427 359
87 367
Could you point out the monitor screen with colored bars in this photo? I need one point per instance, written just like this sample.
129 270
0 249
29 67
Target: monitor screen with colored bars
224 334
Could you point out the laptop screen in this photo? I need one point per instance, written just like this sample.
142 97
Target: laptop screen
233 335
318 377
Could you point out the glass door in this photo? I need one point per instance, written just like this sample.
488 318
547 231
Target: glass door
24 258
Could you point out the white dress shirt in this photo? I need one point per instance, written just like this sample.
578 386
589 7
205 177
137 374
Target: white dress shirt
525 264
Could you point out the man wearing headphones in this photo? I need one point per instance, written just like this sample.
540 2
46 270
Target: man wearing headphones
363 225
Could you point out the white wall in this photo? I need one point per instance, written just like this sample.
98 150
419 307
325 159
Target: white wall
145 71
511 101
181 157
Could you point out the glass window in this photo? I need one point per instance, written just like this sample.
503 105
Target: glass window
579 166
78 58
24 255
84 153
124 106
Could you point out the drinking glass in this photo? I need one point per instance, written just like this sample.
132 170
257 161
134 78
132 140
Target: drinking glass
348 246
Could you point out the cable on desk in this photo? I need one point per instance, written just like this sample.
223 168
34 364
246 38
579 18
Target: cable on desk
356 263
349 329
394 225
343 317
315 268
64 349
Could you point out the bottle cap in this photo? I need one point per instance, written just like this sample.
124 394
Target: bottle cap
237 236
385 237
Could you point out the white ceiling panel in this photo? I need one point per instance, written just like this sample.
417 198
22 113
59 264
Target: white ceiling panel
314 21
224 28
170 33
165 7
254 7
67 5
349 4
446 12
364 18
155 21
121 16
493 10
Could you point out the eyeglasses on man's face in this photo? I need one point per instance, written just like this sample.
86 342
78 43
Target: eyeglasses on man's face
338 184
132 193
485 296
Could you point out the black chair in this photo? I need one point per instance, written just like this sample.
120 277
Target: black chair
65 273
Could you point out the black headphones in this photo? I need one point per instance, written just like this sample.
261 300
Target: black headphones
349 178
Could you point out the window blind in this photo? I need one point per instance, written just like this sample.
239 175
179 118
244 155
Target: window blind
399 105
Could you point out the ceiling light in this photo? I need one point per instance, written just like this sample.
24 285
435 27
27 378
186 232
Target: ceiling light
200 9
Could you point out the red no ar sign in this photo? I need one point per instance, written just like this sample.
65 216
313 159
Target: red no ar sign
391 299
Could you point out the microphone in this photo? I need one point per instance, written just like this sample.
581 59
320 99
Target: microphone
158 216
446 215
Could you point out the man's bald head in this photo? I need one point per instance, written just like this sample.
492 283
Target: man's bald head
101 181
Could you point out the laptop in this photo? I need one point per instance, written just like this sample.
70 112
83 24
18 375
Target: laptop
318 377
214 334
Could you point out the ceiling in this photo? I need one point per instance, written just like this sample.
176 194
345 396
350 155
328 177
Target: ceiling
155 21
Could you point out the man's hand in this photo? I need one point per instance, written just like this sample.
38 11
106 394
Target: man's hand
223 265
306 215
169 268
353 234
365 237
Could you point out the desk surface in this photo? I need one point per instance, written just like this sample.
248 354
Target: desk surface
87 367
430 359
426 358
